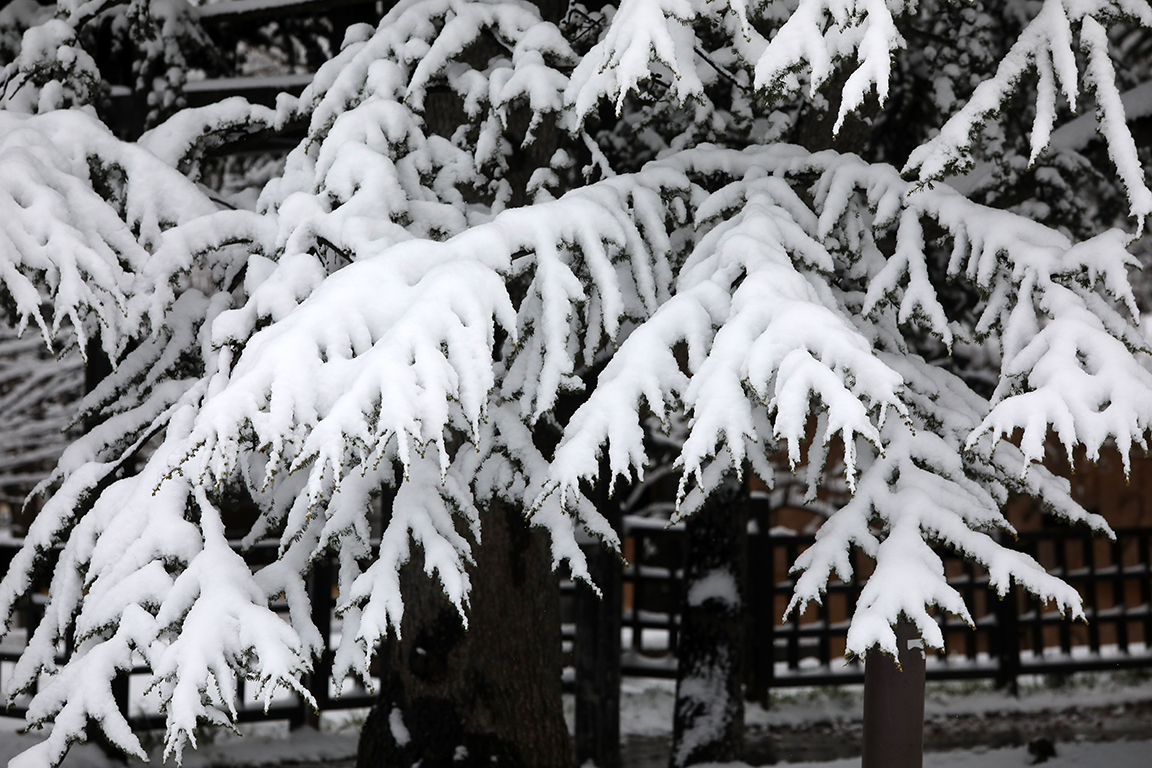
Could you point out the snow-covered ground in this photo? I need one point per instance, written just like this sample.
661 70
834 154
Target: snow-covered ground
259 745
1116 754
813 714
977 721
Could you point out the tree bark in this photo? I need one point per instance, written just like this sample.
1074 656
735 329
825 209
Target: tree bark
596 652
708 725
488 695
894 704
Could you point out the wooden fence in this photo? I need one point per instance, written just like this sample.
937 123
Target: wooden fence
1013 636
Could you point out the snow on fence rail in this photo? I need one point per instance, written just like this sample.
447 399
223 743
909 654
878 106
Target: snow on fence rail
1012 636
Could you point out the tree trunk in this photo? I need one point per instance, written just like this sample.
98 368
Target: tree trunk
894 704
488 695
708 724
596 651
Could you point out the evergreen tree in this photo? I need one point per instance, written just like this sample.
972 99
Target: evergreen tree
496 199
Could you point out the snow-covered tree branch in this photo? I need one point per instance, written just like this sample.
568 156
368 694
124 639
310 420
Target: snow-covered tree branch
391 315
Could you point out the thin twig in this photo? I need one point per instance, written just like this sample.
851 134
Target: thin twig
723 72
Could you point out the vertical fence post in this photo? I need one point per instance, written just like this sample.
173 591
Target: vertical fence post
1091 598
317 682
1061 544
708 721
791 551
759 643
768 654
1119 593
596 651
1008 642
894 704
1145 562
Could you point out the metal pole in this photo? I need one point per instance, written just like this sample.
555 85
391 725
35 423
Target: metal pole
894 704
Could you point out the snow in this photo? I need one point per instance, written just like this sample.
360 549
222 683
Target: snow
646 716
704 705
817 33
396 725
306 747
394 313
719 584
1123 754
642 32
1121 145
833 712
1078 133
285 83
254 745
1046 44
